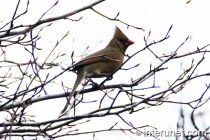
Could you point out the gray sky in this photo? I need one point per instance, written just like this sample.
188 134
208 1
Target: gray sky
95 31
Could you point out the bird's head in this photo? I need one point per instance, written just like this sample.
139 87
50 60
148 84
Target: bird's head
120 40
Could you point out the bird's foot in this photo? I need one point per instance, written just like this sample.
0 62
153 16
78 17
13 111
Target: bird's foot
94 84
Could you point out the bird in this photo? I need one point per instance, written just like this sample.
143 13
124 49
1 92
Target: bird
102 63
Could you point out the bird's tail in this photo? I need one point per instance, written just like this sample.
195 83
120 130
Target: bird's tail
80 77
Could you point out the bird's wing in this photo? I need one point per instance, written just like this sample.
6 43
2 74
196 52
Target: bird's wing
96 57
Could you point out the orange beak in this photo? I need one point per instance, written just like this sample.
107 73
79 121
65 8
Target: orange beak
129 42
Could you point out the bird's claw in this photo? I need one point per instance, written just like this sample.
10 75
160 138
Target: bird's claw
95 85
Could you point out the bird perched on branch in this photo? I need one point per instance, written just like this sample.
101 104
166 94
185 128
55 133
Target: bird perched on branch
102 63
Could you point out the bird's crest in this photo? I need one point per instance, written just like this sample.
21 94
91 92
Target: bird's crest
119 34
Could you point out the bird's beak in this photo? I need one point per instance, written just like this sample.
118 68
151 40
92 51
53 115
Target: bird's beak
129 42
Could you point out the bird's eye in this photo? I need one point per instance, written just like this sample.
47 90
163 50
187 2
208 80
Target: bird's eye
121 40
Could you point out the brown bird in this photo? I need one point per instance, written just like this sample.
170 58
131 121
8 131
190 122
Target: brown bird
102 63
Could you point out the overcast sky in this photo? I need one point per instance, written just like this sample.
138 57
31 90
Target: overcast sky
95 31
